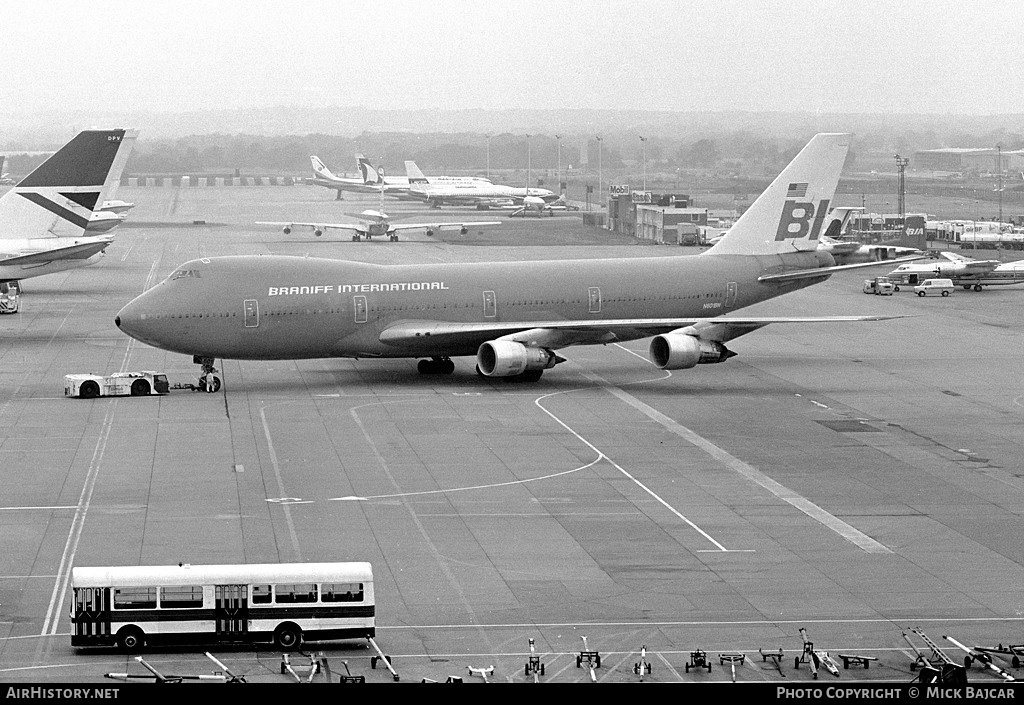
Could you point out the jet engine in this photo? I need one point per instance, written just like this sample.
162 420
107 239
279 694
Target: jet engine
678 351
318 231
287 230
506 358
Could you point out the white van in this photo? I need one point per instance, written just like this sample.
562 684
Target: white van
934 286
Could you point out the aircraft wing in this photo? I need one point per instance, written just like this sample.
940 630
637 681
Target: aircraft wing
79 250
815 273
445 225
562 333
352 227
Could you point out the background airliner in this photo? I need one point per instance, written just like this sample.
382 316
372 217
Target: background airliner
46 219
513 316
964 271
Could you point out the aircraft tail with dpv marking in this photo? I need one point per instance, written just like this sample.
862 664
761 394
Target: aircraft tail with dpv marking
789 215
59 197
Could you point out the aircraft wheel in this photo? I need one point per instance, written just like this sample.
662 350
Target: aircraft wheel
423 367
355 238
967 287
896 288
920 293
977 287
209 384
533 376
945 293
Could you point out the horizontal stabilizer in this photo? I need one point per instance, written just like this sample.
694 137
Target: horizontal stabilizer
81 249
825 271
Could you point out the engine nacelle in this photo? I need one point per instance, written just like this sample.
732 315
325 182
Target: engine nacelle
287 230
678 351
318 231
506 358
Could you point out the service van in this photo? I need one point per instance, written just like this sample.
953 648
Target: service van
934 286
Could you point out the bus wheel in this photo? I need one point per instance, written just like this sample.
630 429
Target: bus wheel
89 390
140 388
287 637
130 639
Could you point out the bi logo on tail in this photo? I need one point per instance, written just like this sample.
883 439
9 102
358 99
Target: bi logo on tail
796 221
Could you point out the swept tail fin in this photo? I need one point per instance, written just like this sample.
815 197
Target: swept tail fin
59 198
790 213
319 168
415 175
366 170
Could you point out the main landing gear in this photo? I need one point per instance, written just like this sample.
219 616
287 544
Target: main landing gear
208 382
436 366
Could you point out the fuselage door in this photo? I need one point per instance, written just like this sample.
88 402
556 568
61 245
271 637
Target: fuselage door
490 304
594 299
252 313
359 306
730 294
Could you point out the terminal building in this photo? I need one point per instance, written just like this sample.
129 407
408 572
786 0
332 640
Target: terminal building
668 218
974 160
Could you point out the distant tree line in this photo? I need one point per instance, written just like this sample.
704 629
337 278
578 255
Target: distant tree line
474 153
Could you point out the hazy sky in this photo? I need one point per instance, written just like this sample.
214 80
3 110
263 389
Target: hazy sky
934 56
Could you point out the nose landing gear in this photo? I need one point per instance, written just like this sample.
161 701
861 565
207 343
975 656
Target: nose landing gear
208 382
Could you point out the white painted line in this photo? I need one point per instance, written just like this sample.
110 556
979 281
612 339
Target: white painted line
17 509
280 486
854 536
602 456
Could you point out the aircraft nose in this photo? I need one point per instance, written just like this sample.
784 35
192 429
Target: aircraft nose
130 319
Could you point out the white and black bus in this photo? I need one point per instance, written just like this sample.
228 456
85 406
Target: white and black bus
283 603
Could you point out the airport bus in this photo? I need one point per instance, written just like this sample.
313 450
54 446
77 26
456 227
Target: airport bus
283 603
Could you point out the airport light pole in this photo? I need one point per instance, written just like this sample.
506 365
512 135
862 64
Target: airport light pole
558 176
643 141
529 154
999 184
600 183
488 156
901 193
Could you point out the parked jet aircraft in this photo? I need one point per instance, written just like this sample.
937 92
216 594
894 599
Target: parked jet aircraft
512 316
849 251
45 217
964 271
475 191
376 222
367 183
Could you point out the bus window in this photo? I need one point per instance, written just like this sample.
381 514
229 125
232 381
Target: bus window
295 592
261 594
181 596
135 598
341 592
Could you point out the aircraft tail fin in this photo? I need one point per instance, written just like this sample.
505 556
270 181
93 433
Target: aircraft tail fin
320 169
60 196
2 158
415 175
370 175
789 215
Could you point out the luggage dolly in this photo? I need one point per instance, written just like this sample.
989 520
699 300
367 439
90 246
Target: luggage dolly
981 658
864 661
592 659
533 664
698 659
1015 651
386 660
484 673
299 673
938 657
231 677
732 659
158 677
815 659
643 666
775 657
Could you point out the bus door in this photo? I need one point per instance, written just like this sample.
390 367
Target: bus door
231 611
92 613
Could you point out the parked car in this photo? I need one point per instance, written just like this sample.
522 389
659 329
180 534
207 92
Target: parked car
934 286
